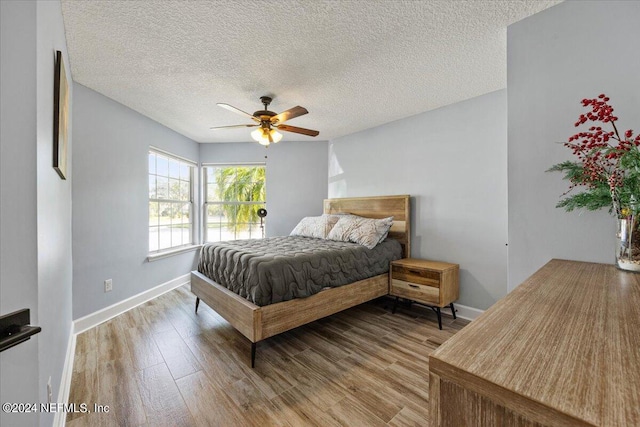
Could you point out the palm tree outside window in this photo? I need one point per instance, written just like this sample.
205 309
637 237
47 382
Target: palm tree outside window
233 195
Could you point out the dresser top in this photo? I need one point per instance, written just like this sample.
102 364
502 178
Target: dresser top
568 338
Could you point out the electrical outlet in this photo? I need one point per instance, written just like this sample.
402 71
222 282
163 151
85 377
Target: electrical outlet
108 285
49 392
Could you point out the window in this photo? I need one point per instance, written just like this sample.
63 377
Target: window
170 201
233 195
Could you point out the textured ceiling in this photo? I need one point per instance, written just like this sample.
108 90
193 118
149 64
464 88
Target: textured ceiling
353 64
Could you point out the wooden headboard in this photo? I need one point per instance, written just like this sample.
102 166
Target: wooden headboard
379 207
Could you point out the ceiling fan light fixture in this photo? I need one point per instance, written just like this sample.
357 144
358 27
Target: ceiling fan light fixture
261 135
275 135
257 135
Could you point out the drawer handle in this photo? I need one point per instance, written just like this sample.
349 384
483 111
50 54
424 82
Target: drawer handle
413 286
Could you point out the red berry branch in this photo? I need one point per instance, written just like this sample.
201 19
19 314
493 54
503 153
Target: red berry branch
600 162
594 147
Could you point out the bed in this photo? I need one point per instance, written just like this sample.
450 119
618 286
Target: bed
258 322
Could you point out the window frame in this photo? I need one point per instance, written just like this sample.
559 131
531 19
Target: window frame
193 167
206 203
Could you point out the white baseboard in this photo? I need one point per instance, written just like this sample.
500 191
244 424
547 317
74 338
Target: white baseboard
464 312
94 319
65 381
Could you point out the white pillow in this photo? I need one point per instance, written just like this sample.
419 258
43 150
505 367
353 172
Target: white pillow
365 231
315 226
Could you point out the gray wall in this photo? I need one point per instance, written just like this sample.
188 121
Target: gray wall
453 162
18 218
36 206
110 201
296 177
556 58
54 211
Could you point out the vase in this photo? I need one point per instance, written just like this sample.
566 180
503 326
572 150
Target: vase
628 248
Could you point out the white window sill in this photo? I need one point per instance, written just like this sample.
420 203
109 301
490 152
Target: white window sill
172 252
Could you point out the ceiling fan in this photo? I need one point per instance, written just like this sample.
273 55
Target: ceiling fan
269 122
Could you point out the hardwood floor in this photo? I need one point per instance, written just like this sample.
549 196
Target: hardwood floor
161 364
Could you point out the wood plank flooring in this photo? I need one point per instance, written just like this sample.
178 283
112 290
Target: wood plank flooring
161 364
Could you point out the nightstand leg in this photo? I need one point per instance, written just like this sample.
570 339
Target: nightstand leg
395 303
253 355
453 310
439 317
197 303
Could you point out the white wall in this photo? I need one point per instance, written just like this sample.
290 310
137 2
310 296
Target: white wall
453 162
296 177
54 211
556 58
18 218
36 206
111 201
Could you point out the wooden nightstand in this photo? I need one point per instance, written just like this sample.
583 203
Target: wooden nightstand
431 283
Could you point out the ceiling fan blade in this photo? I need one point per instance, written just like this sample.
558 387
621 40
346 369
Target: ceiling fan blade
295 129
234 126
238 111
289 114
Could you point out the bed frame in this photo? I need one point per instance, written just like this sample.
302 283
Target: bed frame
258 323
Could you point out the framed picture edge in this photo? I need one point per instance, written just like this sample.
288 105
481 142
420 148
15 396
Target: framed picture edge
59 146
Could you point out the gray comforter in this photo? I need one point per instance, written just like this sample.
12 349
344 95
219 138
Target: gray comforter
266 271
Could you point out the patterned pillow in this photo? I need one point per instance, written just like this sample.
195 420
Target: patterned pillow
365 231
315 226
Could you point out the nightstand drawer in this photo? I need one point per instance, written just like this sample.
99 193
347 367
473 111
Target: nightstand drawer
416 275
415 291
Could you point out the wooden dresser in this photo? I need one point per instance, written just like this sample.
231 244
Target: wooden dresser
562 349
